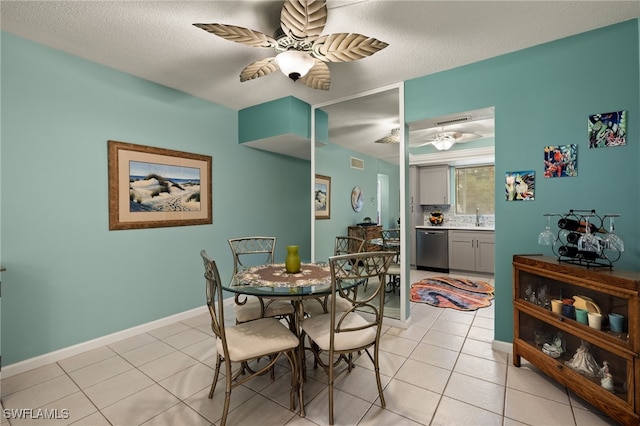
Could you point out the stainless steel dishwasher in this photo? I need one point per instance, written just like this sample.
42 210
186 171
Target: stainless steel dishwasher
432 249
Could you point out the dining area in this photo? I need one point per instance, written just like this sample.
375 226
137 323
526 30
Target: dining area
327 313
441 369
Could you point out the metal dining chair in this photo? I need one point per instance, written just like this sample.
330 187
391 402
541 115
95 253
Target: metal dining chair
391 241
265 338
342 245
250 251
339 334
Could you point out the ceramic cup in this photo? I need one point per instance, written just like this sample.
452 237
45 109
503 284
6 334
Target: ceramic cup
556 306
616 322
581 316
569 311
595 320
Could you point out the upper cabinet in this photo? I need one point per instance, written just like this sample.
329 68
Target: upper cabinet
434 185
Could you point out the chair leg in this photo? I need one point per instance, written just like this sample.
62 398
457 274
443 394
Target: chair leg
376 367
215 377
330 390
225 412
227 394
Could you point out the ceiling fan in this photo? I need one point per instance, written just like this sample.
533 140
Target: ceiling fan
301 50
445 140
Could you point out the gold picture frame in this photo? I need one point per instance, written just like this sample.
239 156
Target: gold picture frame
322 197
155 187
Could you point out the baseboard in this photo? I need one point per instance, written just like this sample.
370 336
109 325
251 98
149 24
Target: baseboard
501 346
60 354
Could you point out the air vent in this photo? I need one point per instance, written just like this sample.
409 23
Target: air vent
357 163
454 120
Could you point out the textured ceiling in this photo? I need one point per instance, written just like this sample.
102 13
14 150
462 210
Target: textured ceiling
156 40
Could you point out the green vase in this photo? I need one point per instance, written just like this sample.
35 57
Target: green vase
292 262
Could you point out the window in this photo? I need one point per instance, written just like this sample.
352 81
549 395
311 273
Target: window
475 189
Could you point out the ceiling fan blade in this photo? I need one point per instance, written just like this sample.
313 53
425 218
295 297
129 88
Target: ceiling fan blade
318 77
462 137
303 19
239 35
392 137
422 144
258 69
343 47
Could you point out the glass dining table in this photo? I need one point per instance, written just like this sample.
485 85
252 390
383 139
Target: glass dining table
272 281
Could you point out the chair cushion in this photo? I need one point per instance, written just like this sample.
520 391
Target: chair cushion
314 306
257 338
394 269
252 310
318 328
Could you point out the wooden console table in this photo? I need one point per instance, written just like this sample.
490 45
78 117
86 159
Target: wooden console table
367 233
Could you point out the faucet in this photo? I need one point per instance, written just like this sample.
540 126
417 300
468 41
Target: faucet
477 216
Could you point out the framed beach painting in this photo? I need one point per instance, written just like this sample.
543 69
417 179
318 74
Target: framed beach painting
322 200
155 187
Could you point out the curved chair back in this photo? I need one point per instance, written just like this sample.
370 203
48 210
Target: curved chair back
361 268
348 244
214 293
250 251
391 241
391 237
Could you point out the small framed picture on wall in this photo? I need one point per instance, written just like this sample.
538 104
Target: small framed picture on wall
322 197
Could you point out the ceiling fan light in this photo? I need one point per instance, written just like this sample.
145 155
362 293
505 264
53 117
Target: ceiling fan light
294 63
443 144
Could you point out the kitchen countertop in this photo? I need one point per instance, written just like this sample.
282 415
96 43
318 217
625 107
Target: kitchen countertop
461 228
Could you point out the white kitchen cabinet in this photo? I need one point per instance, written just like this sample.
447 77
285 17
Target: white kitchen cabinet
434 185
472 251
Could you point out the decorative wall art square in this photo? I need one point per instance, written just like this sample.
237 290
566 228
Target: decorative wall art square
561 161
608 129
520 186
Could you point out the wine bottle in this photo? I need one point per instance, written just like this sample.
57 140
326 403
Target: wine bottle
568 251
573 237
574 225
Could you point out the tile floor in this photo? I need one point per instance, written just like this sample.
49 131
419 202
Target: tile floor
440 371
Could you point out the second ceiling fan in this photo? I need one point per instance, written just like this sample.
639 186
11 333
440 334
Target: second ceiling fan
302 52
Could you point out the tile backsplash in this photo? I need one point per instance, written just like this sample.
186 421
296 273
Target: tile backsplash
451 219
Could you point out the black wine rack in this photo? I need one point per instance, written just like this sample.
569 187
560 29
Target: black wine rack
570 245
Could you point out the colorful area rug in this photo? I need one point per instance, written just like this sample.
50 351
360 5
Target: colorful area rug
455 293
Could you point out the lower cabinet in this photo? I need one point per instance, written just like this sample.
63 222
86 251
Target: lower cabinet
472 251
595 360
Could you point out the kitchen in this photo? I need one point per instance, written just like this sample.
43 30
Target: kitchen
429 178
451 193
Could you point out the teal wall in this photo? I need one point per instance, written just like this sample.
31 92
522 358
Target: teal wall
69 279
332 160
282 116
543 96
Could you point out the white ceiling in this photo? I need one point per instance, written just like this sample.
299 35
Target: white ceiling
156 40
